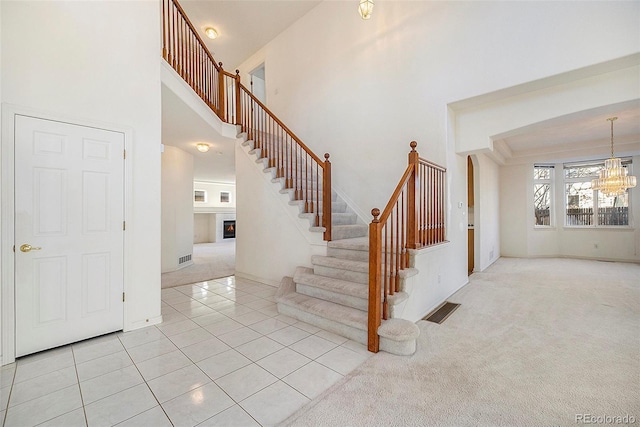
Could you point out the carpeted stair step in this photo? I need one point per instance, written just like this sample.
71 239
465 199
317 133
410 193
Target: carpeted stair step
346 218
337 218
342 292
397 336
352 270
342 269
340 232
356 249
336 207
291 192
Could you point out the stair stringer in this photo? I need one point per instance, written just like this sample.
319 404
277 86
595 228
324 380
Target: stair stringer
313 237
340 229
271 240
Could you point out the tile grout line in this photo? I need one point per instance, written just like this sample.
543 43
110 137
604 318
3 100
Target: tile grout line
6 409
253 362
75 369
204 373
213 380
146 383
187 293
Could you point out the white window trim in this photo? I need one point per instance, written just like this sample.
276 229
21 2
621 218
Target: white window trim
551 182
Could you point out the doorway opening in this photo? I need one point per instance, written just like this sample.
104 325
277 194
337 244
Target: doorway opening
471 226
258 83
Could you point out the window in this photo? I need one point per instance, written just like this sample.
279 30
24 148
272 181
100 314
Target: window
200 196
542 194
225 197
588 207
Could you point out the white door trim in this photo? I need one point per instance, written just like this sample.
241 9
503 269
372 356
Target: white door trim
7 221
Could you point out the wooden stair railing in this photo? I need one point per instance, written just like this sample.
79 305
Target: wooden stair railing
413 219
230 100
301 169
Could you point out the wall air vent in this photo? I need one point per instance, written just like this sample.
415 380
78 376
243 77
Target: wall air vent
184 259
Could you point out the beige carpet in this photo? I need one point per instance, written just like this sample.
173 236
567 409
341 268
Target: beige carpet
210 261
534 343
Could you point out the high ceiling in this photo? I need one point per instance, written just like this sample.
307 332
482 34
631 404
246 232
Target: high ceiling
245 26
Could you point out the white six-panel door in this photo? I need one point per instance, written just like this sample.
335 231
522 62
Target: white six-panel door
69 212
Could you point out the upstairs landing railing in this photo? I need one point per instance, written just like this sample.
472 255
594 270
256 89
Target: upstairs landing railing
414 218
308 176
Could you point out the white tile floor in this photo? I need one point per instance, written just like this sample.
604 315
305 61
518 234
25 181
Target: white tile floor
222 357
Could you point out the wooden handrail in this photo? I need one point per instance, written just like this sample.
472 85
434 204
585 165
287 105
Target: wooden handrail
292 159
279 122
186 52
396 195
192 28
223 92
413 218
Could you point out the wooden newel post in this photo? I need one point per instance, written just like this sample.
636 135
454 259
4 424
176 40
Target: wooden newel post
326 197
412 223
238 104
375 275
221 92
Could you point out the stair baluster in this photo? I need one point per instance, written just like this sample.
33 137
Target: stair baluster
224 93
412 219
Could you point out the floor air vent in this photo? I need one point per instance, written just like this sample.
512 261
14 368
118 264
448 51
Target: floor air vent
184 259
441 314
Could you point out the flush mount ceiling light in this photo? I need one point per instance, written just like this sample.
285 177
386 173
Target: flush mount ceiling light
613 179
211 32
202 147
365 8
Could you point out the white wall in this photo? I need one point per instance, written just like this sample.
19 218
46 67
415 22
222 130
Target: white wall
589 88
487 211
209 215
202 224
213 203
177 207
209 227
513 210
519 237
1 134
432 286
365 89
66 59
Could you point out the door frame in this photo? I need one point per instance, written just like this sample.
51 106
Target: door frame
251 75
7 214
475 164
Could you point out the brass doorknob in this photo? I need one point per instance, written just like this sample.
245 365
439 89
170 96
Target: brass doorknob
28 248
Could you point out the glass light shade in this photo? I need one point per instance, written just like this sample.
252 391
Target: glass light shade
203 148
613 180
211 33
365 8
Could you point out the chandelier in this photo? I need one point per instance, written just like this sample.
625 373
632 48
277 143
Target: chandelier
365 7
613 180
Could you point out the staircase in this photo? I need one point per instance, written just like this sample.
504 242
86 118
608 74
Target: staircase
334 294
352 291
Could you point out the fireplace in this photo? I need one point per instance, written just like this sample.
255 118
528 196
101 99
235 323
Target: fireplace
229 229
